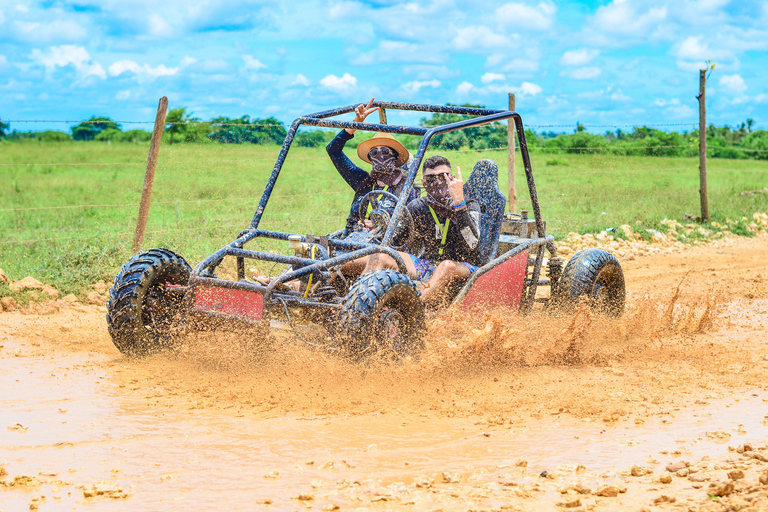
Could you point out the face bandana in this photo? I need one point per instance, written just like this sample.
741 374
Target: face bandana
437 193
384 169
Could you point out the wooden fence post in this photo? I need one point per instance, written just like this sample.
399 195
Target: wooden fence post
703 145
149 176
512 193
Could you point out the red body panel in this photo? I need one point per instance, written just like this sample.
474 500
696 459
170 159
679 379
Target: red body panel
501 287
229 302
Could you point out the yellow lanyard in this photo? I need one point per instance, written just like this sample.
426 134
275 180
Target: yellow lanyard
444 229
370 207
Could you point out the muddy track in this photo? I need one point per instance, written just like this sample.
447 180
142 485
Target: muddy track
663 409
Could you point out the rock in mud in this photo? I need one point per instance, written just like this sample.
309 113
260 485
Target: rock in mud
100 286
23 481
51 292
569 503
28 283
674 467
18 427
666 477
305 497
71 298
763 479
736 474
609 491
424 482
3 472
683 472
721 489
664 499
8 304
3 277
97 298
451 478
272 475
640 471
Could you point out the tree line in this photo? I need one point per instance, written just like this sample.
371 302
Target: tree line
722 141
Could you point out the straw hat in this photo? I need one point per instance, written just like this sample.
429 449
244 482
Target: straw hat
383 139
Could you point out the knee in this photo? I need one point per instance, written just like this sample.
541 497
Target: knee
447 267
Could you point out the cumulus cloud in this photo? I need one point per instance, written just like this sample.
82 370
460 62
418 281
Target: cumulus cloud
142 72
300 80
418 84
490 77
429 71
464 87
578 57
526 17
251 63
66 55
515 66
122 95
622 17
477 37
343 84
733 83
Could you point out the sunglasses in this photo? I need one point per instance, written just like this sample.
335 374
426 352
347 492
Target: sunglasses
381 150
432 178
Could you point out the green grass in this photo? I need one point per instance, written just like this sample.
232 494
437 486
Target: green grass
204 195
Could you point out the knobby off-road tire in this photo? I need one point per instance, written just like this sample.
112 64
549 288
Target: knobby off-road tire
593 275
382 316
140 311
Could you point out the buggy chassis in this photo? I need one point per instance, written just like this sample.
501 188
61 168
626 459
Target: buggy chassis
199 296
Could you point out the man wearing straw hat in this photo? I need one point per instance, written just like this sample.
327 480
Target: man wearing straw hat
386 156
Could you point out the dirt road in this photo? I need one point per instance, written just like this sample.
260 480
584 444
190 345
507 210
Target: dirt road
664 409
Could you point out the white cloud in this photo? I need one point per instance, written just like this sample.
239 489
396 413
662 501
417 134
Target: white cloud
526 17
583 73
187 61
398 51
761 98
67 54
624 17
3 60
251 63
578 57
734 83
693 49
481 37
123 95
142 72
343 84
620 96
158 27
300 80
528 88
418 84
464 87
490 77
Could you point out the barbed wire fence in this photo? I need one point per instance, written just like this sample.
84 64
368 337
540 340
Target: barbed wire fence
224 224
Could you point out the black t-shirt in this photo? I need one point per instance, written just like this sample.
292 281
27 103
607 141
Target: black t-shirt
461 240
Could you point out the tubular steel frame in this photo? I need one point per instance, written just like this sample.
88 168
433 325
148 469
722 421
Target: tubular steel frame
202 274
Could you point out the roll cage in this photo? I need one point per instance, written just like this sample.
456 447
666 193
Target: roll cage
341 251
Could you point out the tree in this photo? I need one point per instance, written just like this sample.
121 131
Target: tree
87 130
178 122
487 136
3 127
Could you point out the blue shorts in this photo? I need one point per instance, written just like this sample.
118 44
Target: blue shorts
425 268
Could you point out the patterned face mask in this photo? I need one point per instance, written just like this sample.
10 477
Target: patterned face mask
437 192
384 170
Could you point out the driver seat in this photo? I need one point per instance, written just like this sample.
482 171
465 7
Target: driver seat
483 187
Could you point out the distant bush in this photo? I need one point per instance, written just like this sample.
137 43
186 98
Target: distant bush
52 136
756 141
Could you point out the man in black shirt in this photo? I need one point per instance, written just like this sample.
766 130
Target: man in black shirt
447 229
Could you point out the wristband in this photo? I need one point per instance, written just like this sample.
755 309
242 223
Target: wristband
460 205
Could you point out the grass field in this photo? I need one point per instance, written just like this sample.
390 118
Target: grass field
68 210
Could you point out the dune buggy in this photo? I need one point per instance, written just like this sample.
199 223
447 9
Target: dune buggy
157 294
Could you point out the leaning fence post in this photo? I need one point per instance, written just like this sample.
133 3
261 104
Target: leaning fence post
703 145
149 176
512 197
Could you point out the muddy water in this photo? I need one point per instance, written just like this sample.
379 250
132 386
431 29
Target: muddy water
305 431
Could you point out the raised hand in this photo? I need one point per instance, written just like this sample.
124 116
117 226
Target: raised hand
361 112
456 186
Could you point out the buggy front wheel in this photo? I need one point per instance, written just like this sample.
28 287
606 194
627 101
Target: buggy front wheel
141 312
382 316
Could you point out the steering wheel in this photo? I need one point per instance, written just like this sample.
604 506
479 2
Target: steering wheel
381 218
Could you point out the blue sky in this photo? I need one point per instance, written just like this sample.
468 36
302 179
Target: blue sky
606 62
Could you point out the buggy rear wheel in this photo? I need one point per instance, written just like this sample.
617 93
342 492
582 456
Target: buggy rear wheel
141 312
594 275
382 316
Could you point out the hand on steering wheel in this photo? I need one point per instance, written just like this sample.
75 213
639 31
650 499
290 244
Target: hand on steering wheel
380 218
